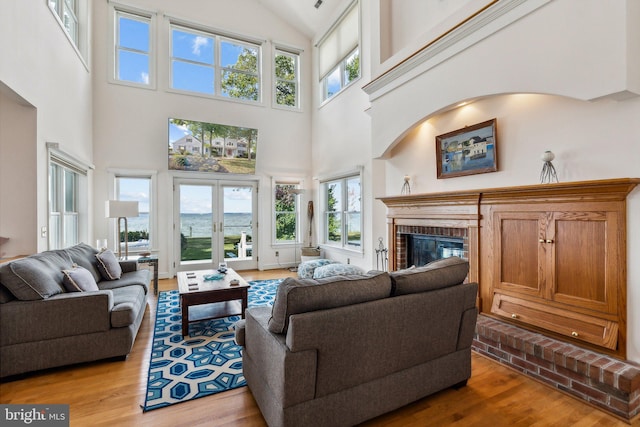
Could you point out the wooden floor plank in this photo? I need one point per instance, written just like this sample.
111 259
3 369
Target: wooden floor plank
110 393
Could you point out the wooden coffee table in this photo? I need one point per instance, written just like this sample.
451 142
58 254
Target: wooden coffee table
210 299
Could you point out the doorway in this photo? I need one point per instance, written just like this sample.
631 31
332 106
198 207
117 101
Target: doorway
215 221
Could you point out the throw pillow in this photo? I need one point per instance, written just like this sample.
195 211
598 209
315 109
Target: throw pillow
108 265
79 279
307 268
337 270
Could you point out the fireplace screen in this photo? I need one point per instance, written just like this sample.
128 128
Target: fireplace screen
422 249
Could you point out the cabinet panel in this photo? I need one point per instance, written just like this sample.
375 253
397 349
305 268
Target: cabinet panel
518 252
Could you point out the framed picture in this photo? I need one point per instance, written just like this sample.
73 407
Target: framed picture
211 147
467 151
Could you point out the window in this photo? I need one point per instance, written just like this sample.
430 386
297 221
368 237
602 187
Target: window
342 223
67 11
286 78
132 61
67 196
133 48
136 188
286 212
211 64
339 54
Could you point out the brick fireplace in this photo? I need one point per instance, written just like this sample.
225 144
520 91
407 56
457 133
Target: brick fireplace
405 232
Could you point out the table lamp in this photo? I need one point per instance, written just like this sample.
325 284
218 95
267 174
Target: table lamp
122 210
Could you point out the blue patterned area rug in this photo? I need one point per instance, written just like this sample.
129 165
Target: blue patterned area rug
207 362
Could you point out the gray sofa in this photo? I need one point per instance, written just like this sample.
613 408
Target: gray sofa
342 350
43 325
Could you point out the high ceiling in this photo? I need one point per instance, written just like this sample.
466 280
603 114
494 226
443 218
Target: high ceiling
303 16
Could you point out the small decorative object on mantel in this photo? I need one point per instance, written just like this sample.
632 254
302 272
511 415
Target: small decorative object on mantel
406 187
548 173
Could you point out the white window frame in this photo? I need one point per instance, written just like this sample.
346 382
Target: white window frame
218 37
298 184
115 11
56 198
114 191
334 41
79 14
344 243
295 54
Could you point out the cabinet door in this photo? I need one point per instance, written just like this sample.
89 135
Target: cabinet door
584 248
518 254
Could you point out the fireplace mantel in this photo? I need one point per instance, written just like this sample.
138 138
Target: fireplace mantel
531 210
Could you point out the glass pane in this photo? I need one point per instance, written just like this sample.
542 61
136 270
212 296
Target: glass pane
240 57
285 199
353 229
238 220
240 85
133 67
334 196
285 227
55 240
353 194
136 189
286 93
192 47
334 227
192 77
70 191
54 186
352 68
285 67
70 230
133 34
332 83
196 222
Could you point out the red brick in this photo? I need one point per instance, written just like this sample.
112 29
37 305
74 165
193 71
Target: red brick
540 362
530 367
559 379
571 374
611 373
629 380
589 391
582 365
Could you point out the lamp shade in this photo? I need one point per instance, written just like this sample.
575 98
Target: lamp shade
121 209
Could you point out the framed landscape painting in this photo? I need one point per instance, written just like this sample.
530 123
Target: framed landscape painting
211 147
467 151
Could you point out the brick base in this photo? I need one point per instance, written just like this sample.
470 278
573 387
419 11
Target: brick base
603 381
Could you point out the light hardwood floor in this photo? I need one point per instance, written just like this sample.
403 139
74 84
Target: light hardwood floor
111 394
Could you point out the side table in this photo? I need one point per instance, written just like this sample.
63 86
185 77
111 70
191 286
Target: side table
151 260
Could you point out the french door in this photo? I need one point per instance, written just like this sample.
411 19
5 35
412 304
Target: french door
215 221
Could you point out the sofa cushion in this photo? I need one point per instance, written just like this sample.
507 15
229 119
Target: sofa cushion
85 256
108 265
5 295
303 295
139 277
78 279
307 268
337 270
127 303
438 274
37 276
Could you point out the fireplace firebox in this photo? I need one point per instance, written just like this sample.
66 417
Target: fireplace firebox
422 249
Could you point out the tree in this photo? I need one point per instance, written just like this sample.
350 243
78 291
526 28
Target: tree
353 67
242 82
285 212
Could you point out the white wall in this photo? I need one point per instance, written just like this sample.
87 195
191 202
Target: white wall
130 124
41 67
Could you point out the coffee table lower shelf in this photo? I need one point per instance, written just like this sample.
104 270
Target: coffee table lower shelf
215 310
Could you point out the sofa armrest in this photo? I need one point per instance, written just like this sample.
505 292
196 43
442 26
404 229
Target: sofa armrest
290 376
239 330
128 265
62 315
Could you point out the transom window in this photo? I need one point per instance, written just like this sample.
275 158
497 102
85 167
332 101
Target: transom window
133 48
339 54
286 66
211 64
67 11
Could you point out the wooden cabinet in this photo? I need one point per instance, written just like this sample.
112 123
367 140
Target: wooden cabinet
553 258
563 260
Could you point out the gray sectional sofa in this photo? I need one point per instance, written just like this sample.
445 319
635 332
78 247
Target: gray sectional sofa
43 324
342 350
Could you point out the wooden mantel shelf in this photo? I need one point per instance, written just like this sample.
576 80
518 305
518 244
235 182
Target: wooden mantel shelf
611 189
527 247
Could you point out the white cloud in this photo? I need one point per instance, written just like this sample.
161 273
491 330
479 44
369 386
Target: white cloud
144 78
199 42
